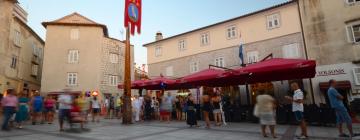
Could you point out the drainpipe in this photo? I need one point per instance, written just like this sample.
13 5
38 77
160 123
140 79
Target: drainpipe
305 49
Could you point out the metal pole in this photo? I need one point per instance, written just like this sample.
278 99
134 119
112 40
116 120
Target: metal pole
127 118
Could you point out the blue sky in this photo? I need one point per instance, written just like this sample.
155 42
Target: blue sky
171 17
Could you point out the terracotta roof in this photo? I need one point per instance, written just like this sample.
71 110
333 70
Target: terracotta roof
229 20
86 22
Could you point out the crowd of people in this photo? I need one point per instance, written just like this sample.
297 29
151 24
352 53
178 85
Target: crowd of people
19 108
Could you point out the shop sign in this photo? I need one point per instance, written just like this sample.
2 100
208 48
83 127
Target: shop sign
330 72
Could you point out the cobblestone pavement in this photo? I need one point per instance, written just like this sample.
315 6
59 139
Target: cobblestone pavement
113 130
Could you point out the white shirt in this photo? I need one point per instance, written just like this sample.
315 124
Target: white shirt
137 103
95 103
298 94
65 102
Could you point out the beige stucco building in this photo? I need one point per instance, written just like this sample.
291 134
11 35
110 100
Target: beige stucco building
21 50
332 35
80 56
275 30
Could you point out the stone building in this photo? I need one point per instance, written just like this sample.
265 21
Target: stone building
275 30
21 50
332 37
80 56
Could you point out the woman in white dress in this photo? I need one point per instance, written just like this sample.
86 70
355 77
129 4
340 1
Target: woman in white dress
265 111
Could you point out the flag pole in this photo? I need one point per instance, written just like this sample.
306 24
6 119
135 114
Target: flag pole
127 116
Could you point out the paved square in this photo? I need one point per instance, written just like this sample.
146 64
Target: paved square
113 130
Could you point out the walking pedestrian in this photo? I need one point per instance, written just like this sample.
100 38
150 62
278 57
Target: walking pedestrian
49 104
156 108
265 111
23 112
111 107
206 108
65 103
95 109
9 104
166 107
37 104
178 107
217 112
137 108
147 107
191 115
298 108
84 105
342 114
118 106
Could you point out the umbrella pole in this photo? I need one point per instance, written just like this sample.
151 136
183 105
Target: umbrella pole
247 94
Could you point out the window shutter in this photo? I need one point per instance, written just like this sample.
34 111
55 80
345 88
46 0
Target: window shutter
357 76
350 34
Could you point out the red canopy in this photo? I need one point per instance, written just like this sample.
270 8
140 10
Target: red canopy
277 69
206 77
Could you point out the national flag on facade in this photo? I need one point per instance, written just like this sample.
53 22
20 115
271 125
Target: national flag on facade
133 15
241 53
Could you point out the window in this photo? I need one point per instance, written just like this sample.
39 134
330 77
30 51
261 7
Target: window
354 33
273 21
35 50
74 34
194 67
72 79
158 51
13 62
220 62
352 1
170 71
182 45
357 75
252 57
73 56
17 38
291 51
205 39
34 70
113 80
114 58
231 32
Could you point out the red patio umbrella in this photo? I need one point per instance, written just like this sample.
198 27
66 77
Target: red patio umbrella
277 69
156 83
208 77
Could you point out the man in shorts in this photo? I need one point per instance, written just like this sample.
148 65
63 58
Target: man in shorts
342 114
298 108
65 102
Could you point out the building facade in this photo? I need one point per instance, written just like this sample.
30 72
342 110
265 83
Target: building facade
332 36
80 57
21 50
275 30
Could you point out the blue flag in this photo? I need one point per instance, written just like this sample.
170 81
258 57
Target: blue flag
241 53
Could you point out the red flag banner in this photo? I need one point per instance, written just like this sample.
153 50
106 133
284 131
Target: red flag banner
133 15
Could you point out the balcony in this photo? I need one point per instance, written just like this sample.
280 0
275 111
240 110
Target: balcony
35 60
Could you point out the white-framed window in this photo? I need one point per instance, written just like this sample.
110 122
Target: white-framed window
291 51
158 51
73 56
13 62
205 39
273 21
231 32
114 58
352 1
72 79
113 80
35 49
194 67
34 70
182 45
252 57
17 38
357 75
169 71
353 32
74 34
220 62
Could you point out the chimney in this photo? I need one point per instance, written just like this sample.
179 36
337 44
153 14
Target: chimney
158 36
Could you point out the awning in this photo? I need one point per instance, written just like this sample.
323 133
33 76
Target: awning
277 69
206 77
324 86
